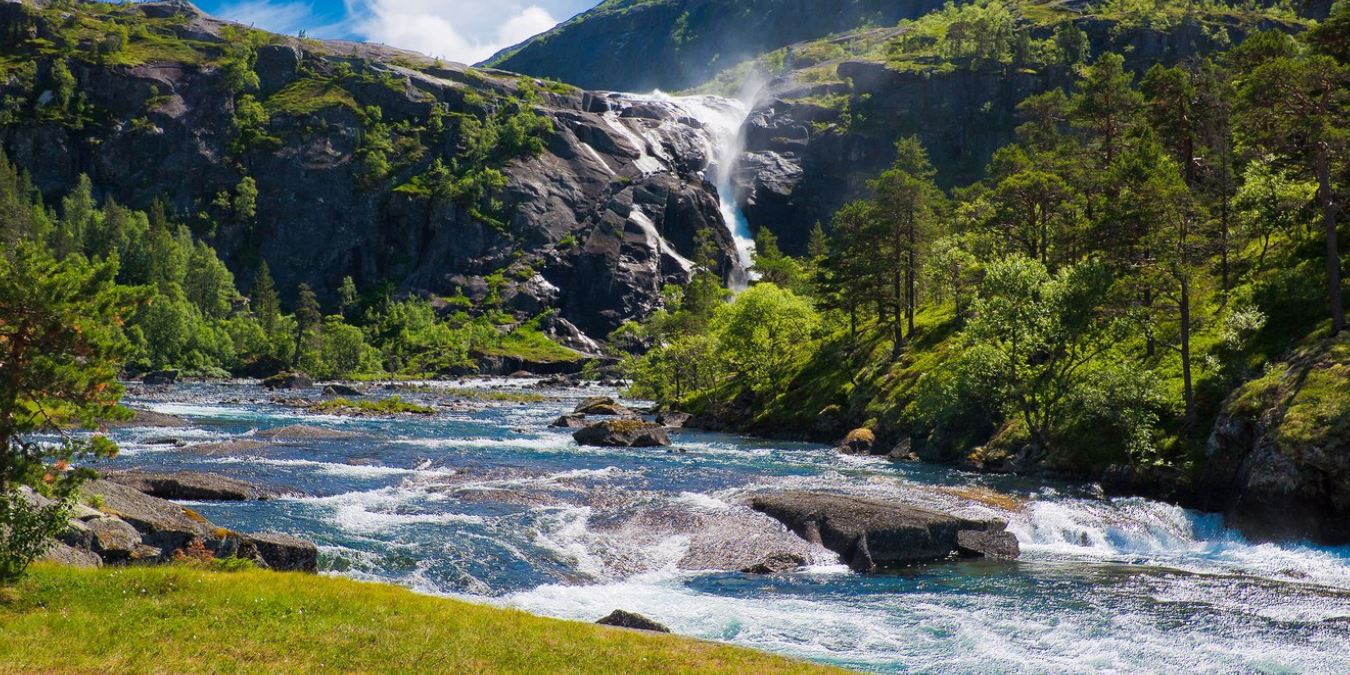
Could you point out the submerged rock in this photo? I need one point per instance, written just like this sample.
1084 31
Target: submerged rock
622 619
776 563
871 535
225 448
302 432
623 433
189 485
146 418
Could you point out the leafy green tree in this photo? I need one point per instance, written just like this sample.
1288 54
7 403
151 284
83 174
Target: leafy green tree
308 322
347 296
1298 110
1105 103
61 345
761 333
1041 331
772 265
208 284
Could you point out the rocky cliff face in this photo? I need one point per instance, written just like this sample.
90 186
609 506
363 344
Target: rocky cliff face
1278 461
811 146
346 161
640 45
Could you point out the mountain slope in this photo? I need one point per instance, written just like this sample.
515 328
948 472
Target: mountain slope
332 159
639 45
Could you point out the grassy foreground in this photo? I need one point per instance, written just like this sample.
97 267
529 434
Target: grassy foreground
178 619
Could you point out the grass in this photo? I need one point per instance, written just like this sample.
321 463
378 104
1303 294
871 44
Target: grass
308 96
529 344
394 405
177 619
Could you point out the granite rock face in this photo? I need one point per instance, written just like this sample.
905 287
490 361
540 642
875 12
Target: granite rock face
605 216
870 535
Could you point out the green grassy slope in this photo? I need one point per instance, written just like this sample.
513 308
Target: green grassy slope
177 619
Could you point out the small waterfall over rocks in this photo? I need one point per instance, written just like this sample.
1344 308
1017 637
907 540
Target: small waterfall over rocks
713 125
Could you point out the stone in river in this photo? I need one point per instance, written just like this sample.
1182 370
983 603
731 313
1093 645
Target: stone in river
298 432
988 544
602 405
342 390
624 619
189 485
870 534
570 421
288 381
623 433
160 377
280 552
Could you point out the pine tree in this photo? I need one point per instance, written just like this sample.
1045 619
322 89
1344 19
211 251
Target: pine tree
308 319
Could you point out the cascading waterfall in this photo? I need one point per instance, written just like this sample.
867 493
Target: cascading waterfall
718 129
723 120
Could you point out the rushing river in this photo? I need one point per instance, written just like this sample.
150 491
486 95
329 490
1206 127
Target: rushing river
483 501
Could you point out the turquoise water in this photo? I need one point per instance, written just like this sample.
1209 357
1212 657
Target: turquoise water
484 502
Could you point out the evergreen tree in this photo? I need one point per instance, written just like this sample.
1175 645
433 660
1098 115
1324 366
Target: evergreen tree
308 320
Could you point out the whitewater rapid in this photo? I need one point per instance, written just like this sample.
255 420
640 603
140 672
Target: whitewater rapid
484 502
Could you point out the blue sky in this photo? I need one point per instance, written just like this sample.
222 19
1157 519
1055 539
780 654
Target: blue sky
457 30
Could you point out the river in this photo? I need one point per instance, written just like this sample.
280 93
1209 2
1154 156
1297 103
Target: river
484 502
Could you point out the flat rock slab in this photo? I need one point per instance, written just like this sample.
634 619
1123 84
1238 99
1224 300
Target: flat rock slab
299 432
189 485
161 523
225 448
870 534
146 418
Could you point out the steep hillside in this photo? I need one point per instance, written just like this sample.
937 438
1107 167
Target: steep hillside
330 159
639 45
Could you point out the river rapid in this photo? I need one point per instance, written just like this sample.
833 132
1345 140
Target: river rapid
484 502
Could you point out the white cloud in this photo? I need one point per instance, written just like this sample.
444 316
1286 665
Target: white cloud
286 18
466 31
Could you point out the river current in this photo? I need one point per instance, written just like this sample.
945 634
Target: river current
484 502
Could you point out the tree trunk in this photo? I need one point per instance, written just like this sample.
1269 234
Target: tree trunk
1333 253
1189 391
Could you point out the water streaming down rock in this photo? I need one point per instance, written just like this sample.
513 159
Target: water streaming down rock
716 123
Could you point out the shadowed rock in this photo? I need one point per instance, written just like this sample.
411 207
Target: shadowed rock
776 563
280 552
871 535
160 377
161 523
623 433
572 421
189 485
288 381
70 556
622 619
342 390
673 420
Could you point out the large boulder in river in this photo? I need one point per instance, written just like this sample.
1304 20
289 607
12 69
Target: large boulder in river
623 433
858 442
624 619
602 405
160 377
870 534
342 390
570 421
189 485
288 381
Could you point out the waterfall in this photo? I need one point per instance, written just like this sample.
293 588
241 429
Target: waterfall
715 123
723 120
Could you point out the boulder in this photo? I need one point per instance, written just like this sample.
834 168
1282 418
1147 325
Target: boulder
622 619
988 544
602 405
112 539
189 485
280 552
161 523
225 448
288 381
623 433
572 421
673 420
858 442
776 563
160 377
342 390
70 556
870 534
